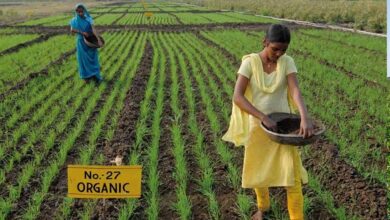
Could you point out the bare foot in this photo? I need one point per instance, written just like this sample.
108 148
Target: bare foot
257 216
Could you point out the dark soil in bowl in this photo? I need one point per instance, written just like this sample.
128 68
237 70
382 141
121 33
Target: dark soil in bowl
292 125
288 126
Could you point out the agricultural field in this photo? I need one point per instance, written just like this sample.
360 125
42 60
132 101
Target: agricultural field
165 103
162 14
359 14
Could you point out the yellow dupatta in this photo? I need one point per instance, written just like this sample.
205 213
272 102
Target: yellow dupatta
238 132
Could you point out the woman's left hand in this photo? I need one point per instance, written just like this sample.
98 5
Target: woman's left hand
306 128
100 43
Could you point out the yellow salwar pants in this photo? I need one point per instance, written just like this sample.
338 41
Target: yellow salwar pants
294 197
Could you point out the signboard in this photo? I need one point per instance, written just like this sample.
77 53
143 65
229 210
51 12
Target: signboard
104 181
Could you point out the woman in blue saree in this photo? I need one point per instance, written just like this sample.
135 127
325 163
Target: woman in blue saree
87 57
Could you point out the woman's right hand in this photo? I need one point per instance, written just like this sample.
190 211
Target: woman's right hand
269 123
85 34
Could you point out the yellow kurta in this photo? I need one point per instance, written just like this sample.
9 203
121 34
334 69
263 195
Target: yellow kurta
266 163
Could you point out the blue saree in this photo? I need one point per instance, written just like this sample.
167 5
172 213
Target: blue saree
87 57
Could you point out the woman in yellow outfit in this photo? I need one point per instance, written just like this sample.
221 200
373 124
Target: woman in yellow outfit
267 83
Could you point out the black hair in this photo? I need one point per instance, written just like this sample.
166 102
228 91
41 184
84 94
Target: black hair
278 33
80 7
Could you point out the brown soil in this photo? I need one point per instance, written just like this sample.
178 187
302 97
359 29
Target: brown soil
225 193
198 200
360 196
166 159
317 210
124 136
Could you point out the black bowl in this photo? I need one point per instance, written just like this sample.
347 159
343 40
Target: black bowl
288 123
92 41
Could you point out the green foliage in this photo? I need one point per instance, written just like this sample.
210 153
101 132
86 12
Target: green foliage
48 20
13 40
16 66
